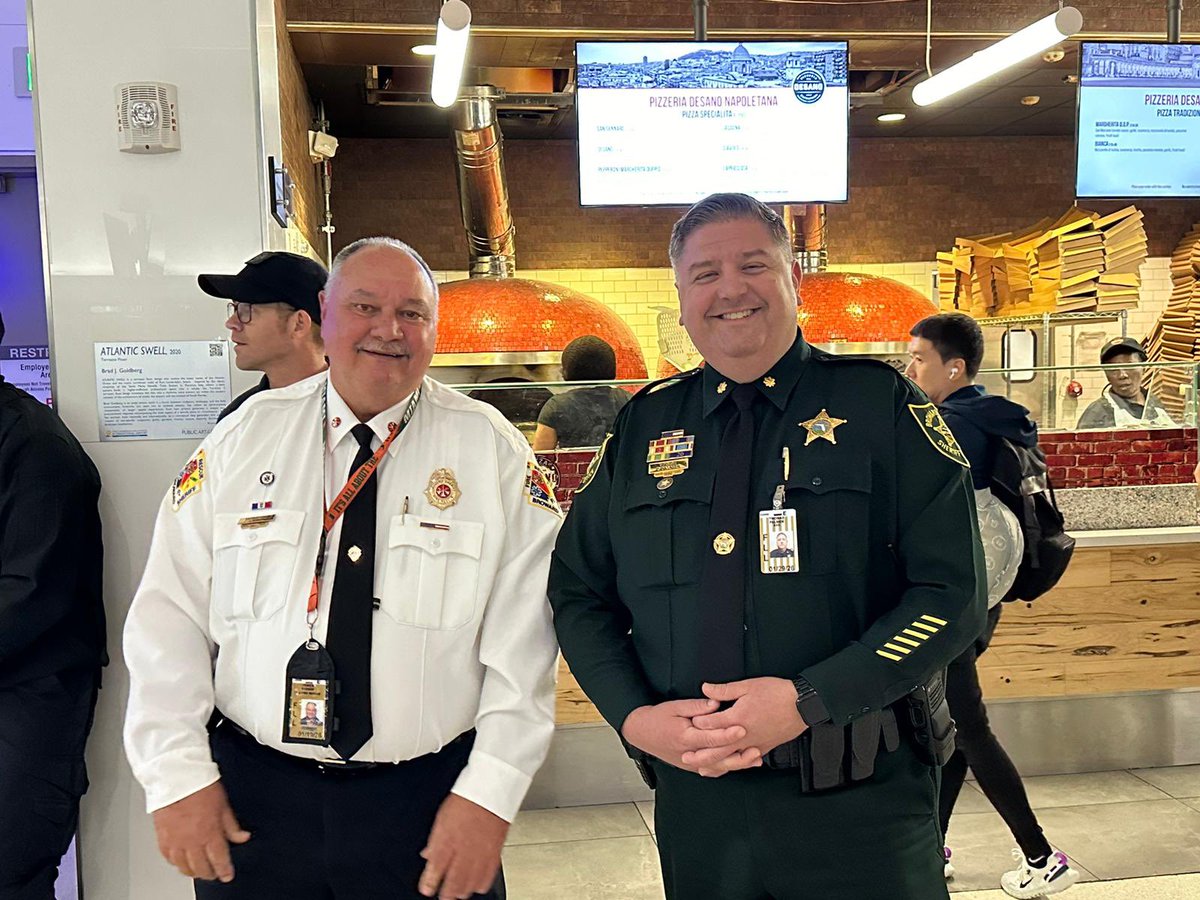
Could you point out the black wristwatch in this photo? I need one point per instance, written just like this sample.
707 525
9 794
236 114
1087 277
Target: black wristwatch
808 703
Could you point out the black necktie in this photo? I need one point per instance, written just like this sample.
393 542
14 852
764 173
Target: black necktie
723 589
350 615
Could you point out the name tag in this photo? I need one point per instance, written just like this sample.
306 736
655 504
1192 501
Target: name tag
256 521
778 549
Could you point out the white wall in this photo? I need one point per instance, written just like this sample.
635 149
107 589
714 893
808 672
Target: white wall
16 113
125 237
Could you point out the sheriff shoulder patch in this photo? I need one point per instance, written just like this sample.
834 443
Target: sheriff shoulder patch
190 480
538 491
934 427
593 466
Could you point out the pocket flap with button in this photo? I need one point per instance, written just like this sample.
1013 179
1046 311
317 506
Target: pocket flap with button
845 477
437 537
696 486
253 564
285 526
431 574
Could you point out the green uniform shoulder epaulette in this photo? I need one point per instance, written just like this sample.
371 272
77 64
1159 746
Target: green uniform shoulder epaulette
655 386
825 356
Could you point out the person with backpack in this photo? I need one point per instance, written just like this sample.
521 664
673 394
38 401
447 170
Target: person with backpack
998 437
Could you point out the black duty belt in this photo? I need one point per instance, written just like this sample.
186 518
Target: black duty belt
248 742
829 756
825 756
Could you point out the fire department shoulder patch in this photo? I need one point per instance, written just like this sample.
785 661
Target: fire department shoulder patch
190 480
538 491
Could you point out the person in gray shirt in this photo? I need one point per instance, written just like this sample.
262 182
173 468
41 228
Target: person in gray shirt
582 417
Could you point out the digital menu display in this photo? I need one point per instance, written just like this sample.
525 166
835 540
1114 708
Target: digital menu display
668 123
1139 120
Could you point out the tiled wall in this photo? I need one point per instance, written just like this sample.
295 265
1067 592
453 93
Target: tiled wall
634 293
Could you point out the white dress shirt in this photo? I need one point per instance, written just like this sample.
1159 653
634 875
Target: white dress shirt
462 639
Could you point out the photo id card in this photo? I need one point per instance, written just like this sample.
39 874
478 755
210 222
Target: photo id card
308 697
777 544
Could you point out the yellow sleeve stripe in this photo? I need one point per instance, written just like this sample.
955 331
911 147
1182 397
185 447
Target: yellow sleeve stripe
897 648
935 620
891 656
928 628
917 634
905 640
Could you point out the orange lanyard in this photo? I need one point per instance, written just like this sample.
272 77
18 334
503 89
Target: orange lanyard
347 494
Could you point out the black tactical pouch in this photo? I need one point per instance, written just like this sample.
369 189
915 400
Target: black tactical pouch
929 722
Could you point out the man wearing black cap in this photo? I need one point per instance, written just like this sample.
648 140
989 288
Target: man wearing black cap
274 319
1125 402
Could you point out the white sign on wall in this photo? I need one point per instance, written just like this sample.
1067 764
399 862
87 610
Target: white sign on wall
161 390
27 368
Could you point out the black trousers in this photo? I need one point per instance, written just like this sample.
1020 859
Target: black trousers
752 835
978 748
42 776
333 834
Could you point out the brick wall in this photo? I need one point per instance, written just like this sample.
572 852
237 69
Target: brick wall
1075 459
966 16
1120 459
296 116
909 198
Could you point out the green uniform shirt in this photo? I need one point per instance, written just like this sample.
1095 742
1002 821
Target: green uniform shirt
890 587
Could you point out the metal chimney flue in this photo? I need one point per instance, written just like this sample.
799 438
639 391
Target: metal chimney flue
482 189
806 224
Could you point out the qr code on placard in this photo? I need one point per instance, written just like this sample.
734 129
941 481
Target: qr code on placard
216 350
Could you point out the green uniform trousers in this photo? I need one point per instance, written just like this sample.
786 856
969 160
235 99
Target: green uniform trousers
753 836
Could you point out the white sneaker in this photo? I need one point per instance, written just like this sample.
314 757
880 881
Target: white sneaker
1025 881
948 868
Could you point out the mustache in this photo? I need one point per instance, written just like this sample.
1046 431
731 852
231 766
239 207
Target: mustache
387 348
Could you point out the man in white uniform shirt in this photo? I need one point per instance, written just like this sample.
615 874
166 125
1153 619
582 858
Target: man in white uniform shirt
427 640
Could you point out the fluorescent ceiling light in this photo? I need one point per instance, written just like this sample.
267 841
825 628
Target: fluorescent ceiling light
453 31
891 117
1020 45
424 50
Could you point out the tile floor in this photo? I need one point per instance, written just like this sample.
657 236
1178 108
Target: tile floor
1134 835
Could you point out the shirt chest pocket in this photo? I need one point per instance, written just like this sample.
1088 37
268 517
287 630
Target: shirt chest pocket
664 529
431 578
253 567
833 511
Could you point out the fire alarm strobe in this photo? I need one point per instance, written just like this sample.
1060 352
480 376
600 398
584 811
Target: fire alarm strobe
147 117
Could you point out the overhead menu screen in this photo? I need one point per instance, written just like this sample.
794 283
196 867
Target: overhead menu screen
1139 120
669 123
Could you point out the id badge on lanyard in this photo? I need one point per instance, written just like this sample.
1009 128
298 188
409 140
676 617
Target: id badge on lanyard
778 547
310 682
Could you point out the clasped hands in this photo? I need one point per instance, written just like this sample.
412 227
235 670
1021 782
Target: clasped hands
699 736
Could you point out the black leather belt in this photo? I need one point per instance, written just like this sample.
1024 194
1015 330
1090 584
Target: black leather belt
221 723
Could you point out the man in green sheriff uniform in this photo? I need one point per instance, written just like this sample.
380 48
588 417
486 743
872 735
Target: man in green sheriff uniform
765 691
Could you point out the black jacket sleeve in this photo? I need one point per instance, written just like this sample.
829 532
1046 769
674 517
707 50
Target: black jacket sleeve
48 497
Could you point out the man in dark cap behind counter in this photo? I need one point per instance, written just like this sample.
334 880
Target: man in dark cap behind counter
1125 402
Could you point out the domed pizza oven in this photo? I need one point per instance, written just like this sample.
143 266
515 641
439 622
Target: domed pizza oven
494 326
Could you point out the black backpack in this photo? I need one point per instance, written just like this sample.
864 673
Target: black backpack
1021 482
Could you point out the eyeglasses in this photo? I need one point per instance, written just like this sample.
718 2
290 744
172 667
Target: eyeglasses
243 311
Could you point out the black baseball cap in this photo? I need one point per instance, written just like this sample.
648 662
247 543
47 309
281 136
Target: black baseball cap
1120 345
272 277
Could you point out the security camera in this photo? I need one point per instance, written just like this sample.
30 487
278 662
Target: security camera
321 145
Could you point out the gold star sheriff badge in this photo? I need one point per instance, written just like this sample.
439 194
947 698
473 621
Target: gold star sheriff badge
821 426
